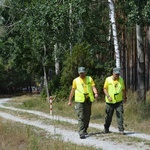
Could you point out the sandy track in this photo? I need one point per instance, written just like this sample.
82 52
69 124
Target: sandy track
66 135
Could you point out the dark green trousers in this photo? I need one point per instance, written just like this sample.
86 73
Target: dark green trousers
83 111
110 108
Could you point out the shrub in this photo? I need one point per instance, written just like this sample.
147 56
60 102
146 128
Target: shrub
43 93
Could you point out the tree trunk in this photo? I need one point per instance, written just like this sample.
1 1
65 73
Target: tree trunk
110 33
45 76
113 23
57 68
123 56
147 58
140 66
148 49
135 61
71 27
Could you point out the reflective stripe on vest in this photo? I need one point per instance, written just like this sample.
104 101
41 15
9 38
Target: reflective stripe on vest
114 90
79 92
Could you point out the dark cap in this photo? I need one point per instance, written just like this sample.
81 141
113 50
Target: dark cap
81 70
116 70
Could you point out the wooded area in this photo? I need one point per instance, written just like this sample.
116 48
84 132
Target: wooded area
51 39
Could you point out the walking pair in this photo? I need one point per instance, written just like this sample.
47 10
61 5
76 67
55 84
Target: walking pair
83 87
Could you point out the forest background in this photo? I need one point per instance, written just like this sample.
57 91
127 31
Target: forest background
44 42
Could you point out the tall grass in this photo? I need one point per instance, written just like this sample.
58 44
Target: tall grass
137 114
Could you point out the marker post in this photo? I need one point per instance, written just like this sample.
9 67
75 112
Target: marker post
51 104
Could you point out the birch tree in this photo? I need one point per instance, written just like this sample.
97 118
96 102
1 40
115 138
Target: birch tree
114 30
1 19
71 27
57 66
45 74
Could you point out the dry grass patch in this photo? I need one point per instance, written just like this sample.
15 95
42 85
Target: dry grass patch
15 136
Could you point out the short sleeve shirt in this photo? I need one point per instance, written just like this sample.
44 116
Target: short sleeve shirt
74 86
114 82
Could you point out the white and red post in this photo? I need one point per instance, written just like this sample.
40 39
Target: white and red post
51 104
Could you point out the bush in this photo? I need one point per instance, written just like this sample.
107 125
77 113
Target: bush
99 82
43 93
63 93
81 56
54 85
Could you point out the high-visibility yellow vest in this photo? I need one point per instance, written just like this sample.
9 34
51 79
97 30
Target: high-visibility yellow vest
115 90
80 90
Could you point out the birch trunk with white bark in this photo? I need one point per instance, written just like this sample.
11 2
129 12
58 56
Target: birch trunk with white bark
114 30
71 27
45 75
57 67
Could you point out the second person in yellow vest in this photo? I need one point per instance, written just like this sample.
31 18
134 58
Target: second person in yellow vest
115 95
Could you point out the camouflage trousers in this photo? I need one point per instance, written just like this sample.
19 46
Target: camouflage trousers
83 111
110 108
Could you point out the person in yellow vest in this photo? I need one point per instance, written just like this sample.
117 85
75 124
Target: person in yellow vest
115 94
83 87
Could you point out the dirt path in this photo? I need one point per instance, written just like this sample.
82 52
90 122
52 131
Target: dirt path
66 135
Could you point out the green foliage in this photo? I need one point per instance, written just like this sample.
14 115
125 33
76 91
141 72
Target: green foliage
138 12
63 92
55 82
43 93
31 25
80 56
99 85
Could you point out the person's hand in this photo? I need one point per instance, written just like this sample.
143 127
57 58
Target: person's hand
96 96
69 103
109 98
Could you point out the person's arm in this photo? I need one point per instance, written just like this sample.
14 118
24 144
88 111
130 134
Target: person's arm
95 92
72 92
106 93
94 89
71 96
